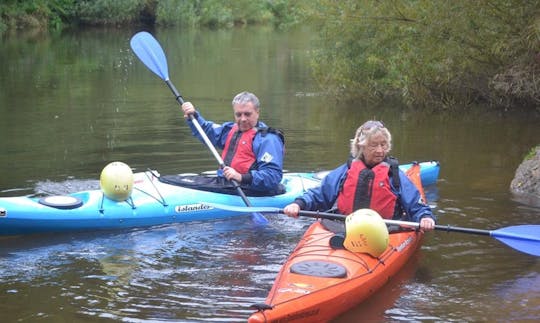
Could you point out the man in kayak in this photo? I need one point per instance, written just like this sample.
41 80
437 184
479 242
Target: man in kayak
370 179
252 151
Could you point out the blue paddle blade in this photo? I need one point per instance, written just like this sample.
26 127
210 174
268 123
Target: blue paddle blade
258 218
147 48
256 214
525 238
244 209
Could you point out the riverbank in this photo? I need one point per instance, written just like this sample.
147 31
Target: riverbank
56 15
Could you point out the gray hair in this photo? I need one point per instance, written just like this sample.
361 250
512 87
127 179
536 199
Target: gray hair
364 133
245 97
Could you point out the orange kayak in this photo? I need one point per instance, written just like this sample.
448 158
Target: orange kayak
319 282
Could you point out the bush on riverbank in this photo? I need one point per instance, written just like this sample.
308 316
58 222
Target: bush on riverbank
431 53
35 14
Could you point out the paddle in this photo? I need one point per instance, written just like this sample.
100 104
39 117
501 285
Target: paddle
149 51
524 238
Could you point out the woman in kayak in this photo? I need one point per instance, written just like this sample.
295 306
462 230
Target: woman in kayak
252 151
370 179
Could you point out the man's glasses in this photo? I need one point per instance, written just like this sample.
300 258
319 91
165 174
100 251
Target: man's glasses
239 114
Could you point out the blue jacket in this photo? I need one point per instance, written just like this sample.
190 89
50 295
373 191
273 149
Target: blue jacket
268 147
323 197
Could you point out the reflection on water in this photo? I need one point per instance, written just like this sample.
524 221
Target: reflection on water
199 271
516 294
72 103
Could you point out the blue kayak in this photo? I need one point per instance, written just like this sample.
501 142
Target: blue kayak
152 202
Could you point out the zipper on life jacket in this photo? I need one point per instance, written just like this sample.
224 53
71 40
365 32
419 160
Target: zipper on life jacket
364 189
232 148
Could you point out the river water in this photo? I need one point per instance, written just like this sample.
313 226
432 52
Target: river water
72 103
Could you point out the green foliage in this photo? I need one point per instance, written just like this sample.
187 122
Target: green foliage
3 25
212 13
177 12
60 11
107 12
189 13
287 13
447 53
215 13
24 14
530 155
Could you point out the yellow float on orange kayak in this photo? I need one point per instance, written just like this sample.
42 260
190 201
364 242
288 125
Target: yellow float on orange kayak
319 282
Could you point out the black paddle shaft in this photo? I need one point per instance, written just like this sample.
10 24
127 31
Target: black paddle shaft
462 230
177 94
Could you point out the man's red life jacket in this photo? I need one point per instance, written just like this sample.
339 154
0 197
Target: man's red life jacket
238 151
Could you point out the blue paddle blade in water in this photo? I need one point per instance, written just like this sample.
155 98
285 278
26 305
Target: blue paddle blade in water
244 209
258 218
147 48
525 238
256 214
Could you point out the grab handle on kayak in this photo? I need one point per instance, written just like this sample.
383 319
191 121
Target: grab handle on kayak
261 306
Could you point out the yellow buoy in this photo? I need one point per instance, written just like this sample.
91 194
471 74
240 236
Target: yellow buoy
366 232
116 181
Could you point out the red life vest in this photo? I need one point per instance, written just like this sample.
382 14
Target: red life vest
238 151
367 188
